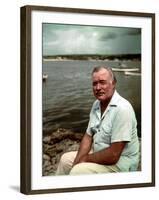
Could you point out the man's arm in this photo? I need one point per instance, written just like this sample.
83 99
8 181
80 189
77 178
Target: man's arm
84 148
108 156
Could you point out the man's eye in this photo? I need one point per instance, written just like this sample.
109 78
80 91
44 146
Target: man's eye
94 83
103 82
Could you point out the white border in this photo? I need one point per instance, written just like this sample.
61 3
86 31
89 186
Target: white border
51 182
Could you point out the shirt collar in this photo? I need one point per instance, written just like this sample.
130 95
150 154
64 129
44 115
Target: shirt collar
114 99
112 103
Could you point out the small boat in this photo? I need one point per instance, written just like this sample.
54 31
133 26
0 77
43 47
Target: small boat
45 76
125 69
132 73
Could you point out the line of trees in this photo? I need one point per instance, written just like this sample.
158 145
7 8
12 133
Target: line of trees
94 56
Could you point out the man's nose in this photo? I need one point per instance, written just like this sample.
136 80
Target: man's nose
98 87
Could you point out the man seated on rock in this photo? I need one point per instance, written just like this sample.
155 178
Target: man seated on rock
110 143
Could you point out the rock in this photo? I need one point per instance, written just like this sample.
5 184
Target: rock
46 163
74 147
46 157
47 139
48 168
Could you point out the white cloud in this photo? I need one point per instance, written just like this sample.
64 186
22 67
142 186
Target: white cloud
65 39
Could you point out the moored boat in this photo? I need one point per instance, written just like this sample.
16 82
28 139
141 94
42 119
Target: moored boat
45 76
125 69
132 73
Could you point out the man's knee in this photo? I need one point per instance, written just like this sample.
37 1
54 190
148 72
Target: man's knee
67 158
64 158
65 163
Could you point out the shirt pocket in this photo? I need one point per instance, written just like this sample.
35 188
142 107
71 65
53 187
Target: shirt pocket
105 133
104 138
106 127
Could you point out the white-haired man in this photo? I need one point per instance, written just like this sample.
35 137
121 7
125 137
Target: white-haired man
110 143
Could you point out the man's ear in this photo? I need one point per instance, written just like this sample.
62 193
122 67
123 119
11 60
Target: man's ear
114 83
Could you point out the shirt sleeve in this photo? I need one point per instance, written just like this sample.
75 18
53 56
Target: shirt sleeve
88 130
90 124
91 121
123 125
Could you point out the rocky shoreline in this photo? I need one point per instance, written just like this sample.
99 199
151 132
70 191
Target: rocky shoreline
59 142
55 145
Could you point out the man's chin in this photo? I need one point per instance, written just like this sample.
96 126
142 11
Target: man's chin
101 98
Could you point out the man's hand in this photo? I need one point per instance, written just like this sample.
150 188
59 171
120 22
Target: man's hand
108 156
81 160
84 158
84 149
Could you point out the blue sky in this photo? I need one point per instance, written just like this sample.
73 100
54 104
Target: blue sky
61 39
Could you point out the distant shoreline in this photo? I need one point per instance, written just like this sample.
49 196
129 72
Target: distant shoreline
115 60
54 59
121 57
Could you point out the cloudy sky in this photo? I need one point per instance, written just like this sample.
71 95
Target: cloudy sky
74 39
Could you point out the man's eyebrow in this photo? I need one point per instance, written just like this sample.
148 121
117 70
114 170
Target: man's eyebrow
102 80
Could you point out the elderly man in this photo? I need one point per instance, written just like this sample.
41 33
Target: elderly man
110 143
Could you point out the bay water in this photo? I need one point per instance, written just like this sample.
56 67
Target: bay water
67 92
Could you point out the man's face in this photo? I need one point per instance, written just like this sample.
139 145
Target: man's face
103 85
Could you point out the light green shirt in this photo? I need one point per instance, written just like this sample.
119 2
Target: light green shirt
118 123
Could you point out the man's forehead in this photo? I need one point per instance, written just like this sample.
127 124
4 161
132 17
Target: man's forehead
102 73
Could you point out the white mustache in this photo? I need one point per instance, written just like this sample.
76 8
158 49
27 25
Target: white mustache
100 93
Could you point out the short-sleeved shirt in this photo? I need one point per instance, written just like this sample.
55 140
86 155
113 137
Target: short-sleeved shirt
117 124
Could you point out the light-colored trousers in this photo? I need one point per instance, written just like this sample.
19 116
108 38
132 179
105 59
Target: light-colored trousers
66 162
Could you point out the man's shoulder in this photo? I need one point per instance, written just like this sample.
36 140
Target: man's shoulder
124 104
121 101
95 104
